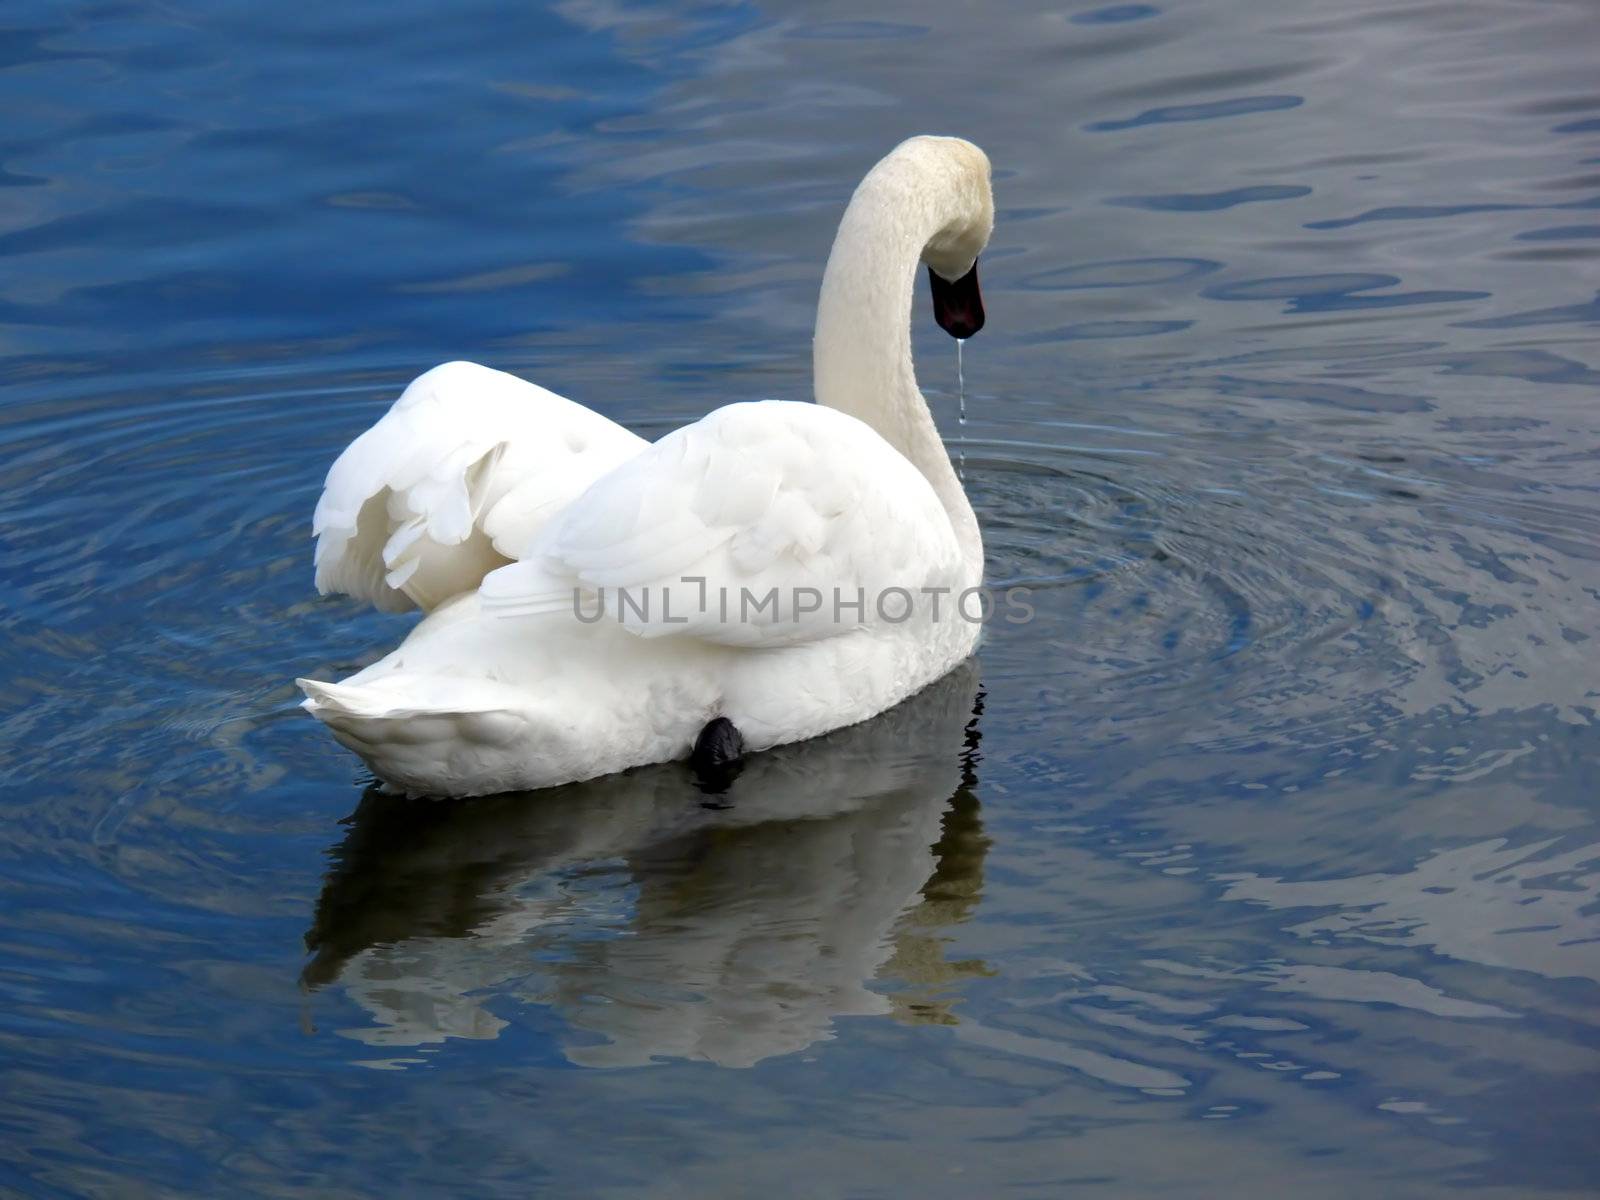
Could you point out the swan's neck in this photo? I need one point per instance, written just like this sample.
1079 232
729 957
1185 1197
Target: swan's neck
861 358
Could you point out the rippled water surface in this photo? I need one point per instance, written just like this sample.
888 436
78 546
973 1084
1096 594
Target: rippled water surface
1263 861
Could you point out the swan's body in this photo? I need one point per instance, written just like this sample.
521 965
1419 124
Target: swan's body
515 517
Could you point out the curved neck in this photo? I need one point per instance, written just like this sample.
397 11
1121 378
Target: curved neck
861 356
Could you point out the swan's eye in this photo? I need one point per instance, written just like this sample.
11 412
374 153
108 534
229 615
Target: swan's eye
958 306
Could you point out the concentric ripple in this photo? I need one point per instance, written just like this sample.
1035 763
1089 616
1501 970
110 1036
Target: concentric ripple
158 557
1161 573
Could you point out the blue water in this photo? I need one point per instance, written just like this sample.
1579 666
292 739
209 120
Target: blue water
1263 861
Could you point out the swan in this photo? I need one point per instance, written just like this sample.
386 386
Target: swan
762 576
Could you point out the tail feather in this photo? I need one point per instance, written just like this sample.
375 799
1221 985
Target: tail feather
449 745
424 698
327 700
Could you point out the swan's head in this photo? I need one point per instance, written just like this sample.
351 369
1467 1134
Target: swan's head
960 171
929 197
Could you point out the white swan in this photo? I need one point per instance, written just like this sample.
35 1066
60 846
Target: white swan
775 565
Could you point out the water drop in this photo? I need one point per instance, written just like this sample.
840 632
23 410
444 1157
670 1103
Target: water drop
961 413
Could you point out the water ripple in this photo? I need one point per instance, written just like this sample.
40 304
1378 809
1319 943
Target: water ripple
1168 114
1212 201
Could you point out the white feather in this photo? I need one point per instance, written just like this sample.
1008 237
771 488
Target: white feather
453 481
765 497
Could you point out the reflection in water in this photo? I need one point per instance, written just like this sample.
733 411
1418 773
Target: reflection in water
662 926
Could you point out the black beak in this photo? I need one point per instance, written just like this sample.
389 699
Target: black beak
958 306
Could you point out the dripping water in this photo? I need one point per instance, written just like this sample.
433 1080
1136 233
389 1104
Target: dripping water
961 413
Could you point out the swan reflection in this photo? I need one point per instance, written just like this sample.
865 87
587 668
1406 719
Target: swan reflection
662 923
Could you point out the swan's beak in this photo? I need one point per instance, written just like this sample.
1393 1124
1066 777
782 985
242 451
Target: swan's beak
958 306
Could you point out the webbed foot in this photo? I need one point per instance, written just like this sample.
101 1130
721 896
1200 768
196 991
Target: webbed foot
718 756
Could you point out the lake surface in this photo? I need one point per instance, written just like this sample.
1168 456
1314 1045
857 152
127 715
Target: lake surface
1264 860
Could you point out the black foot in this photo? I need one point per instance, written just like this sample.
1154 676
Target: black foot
718 756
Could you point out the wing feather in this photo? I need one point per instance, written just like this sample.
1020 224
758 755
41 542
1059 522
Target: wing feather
768 496
456 479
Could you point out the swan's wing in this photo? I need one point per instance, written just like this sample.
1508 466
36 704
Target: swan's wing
453 481
708 523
